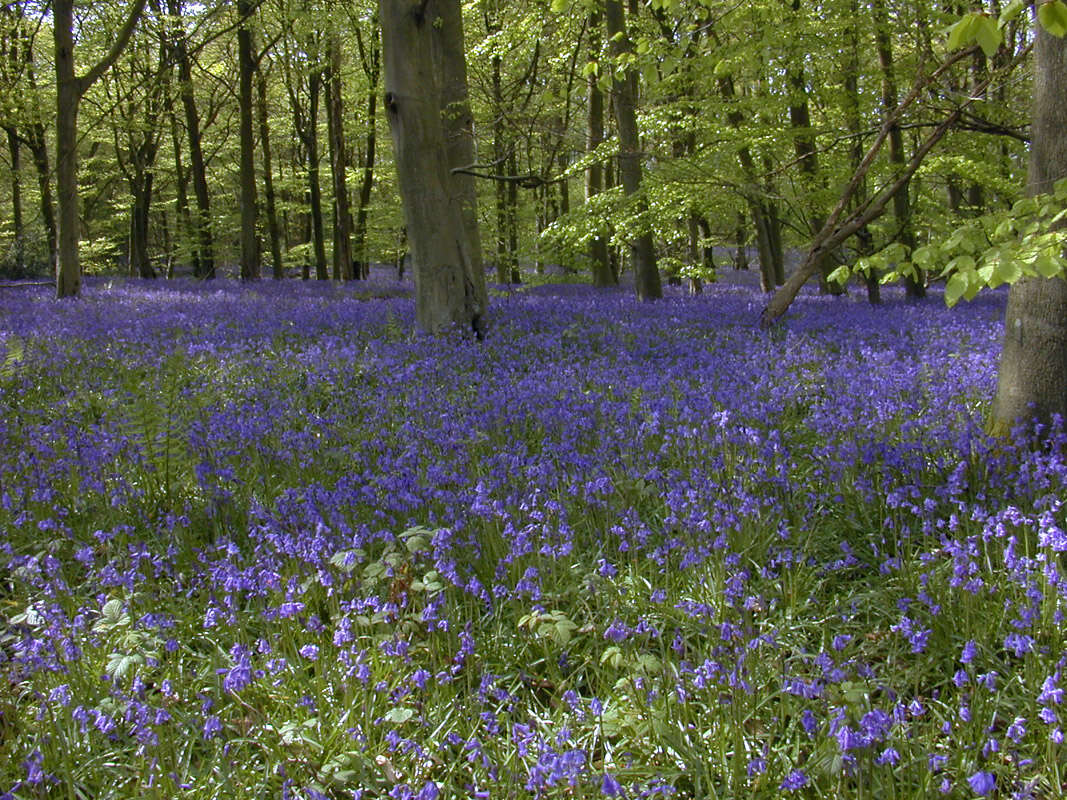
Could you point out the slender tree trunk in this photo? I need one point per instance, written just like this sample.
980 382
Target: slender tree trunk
624 96
140 263
274 233
204 259
594 175
446 294
14 149
314 189
68 98
854 121
741 251
372 69
342 227
39 151
250 267
1032 382
184 228
914 287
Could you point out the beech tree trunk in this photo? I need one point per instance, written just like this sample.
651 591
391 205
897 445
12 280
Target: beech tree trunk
1032 381
594 175
273 230
342 219
247 67
915 287
68 98
371 60
39 151
70 88
624 96
446 294
15 151
457 121
204 257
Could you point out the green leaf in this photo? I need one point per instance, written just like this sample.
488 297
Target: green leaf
988 36
559 6
1048 266
955 288
1053 17
840 275
1011 11
963 32
1006 270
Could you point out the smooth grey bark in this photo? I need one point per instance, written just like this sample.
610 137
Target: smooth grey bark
624 97
246 59
1032 378
70 88
457 120
446 294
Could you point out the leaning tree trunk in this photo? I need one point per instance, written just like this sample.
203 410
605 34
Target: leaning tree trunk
1032 382
446 294
624 95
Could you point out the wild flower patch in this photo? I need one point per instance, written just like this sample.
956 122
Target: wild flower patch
266 543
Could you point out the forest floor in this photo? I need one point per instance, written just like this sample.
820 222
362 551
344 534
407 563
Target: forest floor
263 541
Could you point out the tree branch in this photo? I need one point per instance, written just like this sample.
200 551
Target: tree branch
121 38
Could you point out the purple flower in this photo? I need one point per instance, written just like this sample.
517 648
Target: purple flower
310 652
610 787
982 783
212 727
794 780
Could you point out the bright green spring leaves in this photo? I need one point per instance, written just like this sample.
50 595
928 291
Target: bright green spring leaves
1053 17
985 31
986 252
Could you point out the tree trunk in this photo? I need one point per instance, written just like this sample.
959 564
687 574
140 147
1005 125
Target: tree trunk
274 232
342 218
457 120
246 59
39 151
204 259
372 69
141 190
914 287
15 151
1032 381
446 294
68 97
594 175
624 97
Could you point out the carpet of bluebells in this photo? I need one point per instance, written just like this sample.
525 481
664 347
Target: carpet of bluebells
267 542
